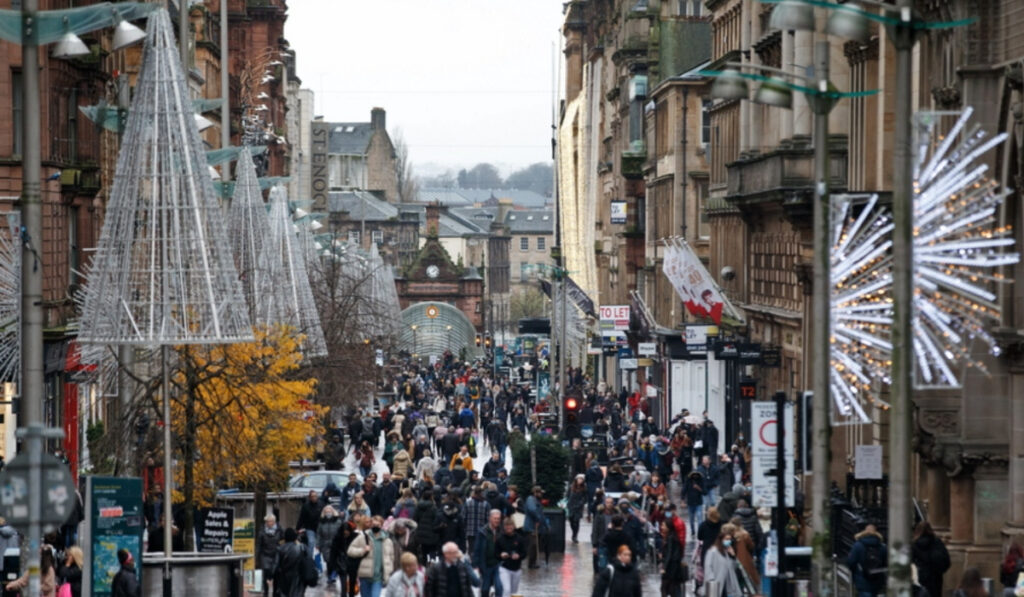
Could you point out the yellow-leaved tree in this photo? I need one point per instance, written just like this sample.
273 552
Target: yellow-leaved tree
241 413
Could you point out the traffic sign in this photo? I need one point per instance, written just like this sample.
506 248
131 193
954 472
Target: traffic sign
58 499
763 427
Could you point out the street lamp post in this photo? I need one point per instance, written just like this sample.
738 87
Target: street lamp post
822 98
33 32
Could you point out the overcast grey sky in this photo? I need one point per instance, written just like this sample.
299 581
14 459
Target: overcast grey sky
467 81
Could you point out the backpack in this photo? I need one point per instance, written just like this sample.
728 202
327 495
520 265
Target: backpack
874 567
310 576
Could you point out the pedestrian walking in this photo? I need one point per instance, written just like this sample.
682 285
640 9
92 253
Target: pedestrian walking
930 556
288 581
577 504
674 572
126 581
486 556
270 537
868 561
620 578
451 577
512 550
376 555
535 524
408 581
720 566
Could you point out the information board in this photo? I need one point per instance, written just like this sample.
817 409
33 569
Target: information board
214 527
114 520
763 427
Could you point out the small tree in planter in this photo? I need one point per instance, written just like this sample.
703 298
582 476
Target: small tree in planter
552 466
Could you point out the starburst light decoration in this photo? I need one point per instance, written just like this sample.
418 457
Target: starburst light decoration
163 272
958 248
284 293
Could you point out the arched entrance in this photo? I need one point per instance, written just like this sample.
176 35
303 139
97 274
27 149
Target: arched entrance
430 328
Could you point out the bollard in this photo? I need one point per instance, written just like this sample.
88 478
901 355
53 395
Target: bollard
711 589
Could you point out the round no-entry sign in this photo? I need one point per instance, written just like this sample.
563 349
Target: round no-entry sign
768 434
58 492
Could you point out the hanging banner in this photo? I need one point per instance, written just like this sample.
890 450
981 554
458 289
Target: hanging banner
574 293
694 284
615 317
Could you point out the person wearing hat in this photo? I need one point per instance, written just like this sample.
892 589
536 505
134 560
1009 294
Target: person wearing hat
269 538
535 523
126 581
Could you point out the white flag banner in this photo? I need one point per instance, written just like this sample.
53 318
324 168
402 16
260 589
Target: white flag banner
694 285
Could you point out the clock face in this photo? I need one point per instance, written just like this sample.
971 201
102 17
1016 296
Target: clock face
433 271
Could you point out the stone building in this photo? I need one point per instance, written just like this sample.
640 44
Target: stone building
362 219
360 156
434 277
968 468
631 162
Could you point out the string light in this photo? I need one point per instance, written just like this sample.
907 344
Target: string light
957 245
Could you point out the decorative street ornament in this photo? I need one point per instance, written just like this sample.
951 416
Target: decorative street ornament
861 305
247 227
163 272
284 293
10 299
958 248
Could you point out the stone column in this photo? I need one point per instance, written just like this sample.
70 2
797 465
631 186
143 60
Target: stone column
937 492
803 57
1014 528
961 509
785 117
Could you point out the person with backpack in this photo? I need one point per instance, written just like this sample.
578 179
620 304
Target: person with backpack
621 578
868 561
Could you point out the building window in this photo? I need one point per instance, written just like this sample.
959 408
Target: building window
705 128
524 243
377 236
74 264
661 140
18 111
541 243
353 237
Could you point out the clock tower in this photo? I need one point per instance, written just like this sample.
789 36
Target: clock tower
433 276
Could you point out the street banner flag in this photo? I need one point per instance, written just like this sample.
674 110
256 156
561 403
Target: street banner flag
694 285
575 294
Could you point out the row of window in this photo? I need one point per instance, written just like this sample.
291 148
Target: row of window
524 243
376 237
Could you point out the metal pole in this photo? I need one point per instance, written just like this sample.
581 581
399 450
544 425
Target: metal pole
563 355
31 390
779 586
165 391
183 16
901 414
821 369
225 85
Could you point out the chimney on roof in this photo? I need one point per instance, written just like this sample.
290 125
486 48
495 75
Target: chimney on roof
378 119
433 211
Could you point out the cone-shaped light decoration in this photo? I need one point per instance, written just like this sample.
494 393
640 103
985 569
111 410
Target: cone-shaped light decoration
774 92
285 295
848 24
247 226
70 46
126 34
792 15
730 85
10 300
163 271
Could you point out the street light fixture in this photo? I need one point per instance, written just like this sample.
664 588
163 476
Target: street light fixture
852 21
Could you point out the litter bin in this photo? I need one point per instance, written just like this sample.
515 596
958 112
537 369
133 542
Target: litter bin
556 529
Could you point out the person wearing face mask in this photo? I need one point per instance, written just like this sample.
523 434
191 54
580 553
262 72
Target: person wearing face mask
376 555
720 566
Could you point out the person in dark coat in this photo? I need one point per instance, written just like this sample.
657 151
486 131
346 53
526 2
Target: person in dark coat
426 519
309 516
126 581
451 577
451 524
70 570
616 537
269 538
288 580
867 561
930 556
693 491
673 574
707 532
340 560
616 480
576 505
621 578
748 518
